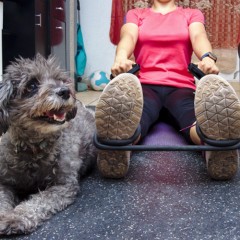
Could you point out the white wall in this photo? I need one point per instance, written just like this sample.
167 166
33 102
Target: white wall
95 24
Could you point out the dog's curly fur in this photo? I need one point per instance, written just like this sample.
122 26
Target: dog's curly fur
46 143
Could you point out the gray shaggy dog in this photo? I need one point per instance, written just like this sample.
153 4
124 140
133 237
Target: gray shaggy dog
46 143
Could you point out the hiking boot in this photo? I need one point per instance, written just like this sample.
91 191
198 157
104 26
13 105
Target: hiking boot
217 110
118 114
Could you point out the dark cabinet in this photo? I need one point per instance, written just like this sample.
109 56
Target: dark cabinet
33 26
58 30
40 32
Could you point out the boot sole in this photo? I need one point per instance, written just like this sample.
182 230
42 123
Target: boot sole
217 110
118 114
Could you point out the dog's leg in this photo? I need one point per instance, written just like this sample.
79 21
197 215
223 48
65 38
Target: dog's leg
7 200
26 216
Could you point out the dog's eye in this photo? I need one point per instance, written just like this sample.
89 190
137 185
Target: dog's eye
32 85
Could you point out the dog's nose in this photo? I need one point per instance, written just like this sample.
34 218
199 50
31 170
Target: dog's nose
64 93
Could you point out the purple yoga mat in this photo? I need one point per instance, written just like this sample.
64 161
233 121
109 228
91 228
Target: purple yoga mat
163 134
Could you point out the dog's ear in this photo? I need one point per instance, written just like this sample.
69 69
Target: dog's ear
6 89
71 114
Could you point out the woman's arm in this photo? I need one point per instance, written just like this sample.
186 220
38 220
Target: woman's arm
202 45
125 48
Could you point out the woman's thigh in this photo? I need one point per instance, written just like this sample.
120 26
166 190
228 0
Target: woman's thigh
151 107
180 104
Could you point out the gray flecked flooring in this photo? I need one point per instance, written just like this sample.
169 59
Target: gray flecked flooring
166 195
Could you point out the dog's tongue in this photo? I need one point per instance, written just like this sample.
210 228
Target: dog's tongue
57 116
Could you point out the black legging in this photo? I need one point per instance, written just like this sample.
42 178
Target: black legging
176 105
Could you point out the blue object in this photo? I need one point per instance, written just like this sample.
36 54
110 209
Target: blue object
103 79
81 56
98 80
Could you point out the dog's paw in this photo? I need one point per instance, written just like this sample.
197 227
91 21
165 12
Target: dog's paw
13 224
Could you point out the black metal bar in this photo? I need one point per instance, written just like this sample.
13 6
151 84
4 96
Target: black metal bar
196 72
101 146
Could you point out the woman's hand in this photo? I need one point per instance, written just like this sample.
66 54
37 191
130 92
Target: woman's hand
208 66
121 66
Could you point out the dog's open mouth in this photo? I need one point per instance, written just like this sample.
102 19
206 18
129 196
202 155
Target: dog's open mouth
54 116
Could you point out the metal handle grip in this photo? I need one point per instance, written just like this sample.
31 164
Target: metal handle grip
59 8
39 23
135 68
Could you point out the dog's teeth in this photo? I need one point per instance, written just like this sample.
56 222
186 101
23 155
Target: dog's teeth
59 117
